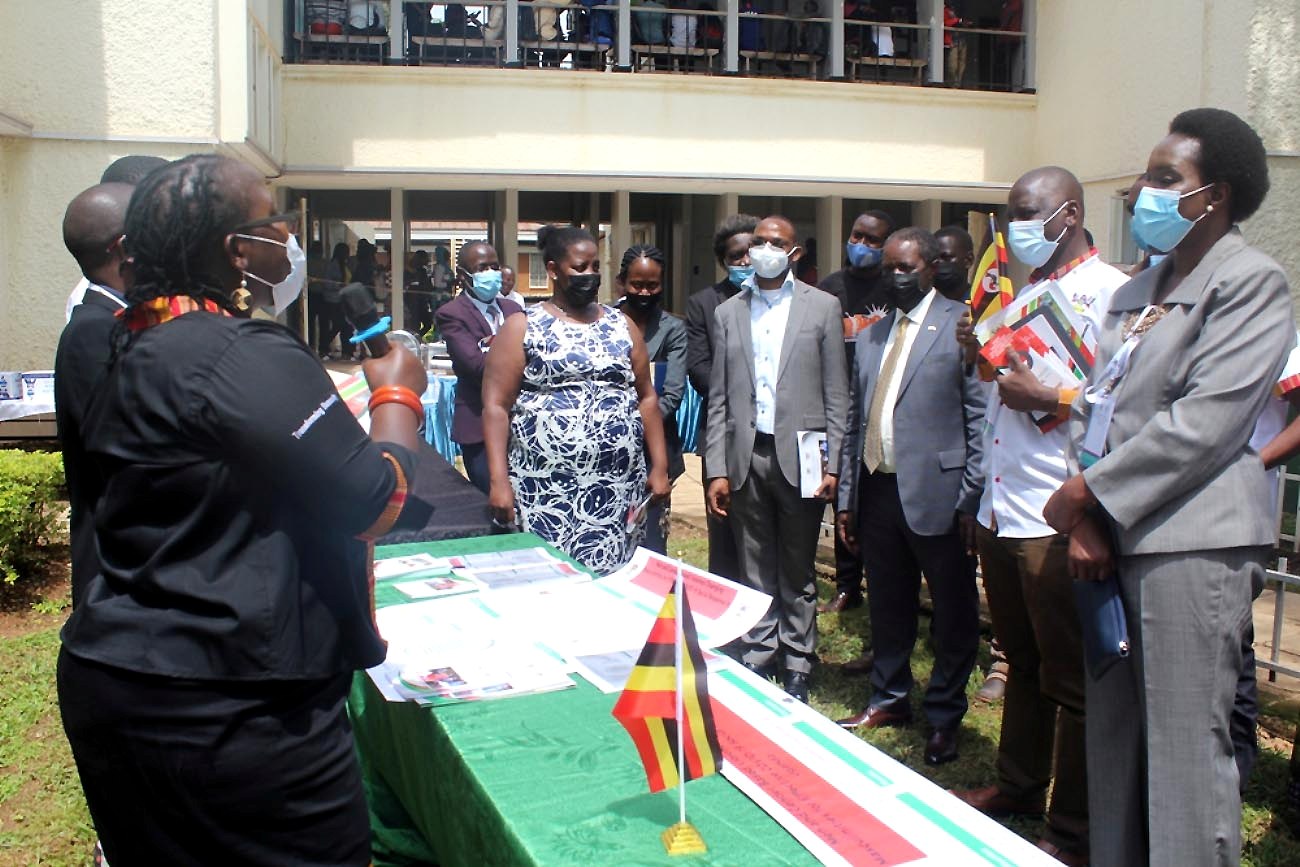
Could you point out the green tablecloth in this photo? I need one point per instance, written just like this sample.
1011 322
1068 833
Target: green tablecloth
546 779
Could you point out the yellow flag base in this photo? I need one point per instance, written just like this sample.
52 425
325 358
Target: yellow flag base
683 839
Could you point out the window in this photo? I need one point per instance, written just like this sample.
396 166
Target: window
537 276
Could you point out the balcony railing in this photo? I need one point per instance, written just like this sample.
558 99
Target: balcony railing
854 42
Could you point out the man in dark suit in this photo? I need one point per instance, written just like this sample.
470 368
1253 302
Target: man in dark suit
468 323
860 288
779 370
92 232
910 491
731 245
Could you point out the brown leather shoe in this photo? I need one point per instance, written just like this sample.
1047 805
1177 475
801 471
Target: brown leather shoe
861 665
1071 859
841 602
941 746
991 801
875 717
993 689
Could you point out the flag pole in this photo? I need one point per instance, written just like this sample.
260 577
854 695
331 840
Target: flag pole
681 750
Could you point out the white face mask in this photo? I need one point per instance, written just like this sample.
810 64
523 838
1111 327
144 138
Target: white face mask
287 290
769 261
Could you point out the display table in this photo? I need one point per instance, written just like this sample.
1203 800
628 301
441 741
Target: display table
546 779
26 393
553 779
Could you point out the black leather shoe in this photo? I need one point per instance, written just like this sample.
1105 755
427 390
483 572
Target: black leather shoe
767 672
796 685
841 602
941 747
875 717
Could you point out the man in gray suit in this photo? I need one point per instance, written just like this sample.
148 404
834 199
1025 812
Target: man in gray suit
910 490
778 368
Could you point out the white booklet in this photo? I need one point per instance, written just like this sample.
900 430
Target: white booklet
812 461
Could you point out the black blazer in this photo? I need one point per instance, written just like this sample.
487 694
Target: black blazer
79 367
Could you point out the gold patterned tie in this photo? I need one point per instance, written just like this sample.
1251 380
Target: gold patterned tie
873 450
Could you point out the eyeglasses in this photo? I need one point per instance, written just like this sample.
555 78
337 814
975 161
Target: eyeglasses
289 218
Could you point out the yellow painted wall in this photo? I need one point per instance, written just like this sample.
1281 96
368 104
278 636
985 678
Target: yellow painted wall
439 120
1113 73
114 67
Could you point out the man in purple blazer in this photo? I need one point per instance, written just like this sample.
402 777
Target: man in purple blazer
468 323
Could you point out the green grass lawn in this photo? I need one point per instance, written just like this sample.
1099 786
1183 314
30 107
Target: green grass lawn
43 820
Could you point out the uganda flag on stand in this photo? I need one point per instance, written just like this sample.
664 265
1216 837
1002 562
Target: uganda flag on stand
648 706
991 289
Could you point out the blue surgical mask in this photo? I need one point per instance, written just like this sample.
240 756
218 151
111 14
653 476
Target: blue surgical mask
1155 259
738 274
487 285
862 255
1156 219
1028 240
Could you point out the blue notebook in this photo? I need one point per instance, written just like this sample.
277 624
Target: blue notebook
1105 628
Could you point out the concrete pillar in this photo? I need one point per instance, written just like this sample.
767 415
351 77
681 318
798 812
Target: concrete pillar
396 33
1029 21
510 56
679 254
930 13
836 71
927 214
830 234
505 226
620 238
724 206
397 215
623 37
731 38
507 232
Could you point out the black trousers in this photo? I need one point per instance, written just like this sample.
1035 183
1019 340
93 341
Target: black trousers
895 557
184 772
474 456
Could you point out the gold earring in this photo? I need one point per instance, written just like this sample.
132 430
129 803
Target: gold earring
241 295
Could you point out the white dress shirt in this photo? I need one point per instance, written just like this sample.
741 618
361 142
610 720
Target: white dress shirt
491 312
769 311
78 293
915 316
1023 466
1272 421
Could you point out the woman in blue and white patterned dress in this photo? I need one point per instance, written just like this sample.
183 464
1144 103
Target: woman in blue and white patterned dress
569 413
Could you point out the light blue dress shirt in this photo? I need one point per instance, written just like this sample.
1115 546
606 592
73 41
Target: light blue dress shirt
769 311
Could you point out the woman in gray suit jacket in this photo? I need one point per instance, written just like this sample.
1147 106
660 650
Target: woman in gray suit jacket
1166 496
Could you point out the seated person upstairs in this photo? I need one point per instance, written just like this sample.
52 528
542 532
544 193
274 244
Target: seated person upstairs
751 28
650 27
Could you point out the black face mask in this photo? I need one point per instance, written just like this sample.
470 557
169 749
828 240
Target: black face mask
905 290
642 303
950 279
581 289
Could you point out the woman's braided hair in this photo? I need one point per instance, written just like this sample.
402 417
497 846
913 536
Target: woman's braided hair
176 226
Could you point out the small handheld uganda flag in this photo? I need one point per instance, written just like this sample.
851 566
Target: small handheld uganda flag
648 706
991 290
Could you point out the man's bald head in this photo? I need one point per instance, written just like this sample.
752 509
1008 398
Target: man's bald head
131 169
1048 187
1055 196
92 226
